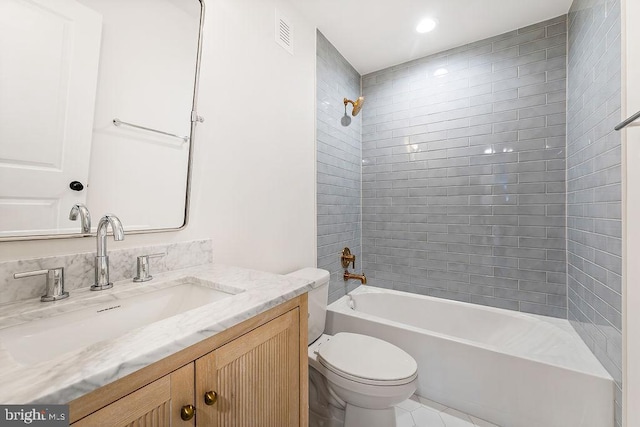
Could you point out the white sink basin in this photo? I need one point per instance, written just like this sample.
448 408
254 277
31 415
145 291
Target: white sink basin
47 338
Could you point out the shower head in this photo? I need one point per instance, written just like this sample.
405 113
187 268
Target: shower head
357 105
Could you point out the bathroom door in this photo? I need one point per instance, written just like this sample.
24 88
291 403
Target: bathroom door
49 55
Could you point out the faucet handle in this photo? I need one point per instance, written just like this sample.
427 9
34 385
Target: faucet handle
55 283
143 267
347 258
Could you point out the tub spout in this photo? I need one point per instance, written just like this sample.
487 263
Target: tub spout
361 277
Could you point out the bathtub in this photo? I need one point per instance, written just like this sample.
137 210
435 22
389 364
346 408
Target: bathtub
509 368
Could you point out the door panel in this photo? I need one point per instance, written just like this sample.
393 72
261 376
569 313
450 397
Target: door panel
53 69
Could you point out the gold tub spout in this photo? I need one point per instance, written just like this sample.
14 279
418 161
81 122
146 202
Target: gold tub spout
361 277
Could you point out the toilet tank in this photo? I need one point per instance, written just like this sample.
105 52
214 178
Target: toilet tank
318 299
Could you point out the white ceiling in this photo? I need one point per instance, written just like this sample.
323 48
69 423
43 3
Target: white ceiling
375 34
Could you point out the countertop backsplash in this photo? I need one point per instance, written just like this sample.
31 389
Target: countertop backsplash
79 268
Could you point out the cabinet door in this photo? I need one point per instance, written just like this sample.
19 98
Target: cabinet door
256 378
155 405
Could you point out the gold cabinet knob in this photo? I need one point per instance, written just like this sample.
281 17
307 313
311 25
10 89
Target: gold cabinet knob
210 397
187 412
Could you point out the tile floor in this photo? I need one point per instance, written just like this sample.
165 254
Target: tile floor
420 412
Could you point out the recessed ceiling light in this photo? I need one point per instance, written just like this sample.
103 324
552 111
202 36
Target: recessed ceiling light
426 25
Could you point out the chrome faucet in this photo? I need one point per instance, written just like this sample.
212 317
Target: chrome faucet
102 260
85 217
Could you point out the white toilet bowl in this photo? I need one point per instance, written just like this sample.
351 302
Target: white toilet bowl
369 376
363 375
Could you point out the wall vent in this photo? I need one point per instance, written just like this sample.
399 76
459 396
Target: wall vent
284 32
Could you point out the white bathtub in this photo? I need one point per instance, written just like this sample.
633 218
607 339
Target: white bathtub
510 368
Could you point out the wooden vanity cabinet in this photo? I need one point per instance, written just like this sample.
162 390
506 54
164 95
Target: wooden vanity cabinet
156 404
255 378
254 374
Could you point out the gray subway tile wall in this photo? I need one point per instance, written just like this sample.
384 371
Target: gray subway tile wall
339 155
463 176
594 225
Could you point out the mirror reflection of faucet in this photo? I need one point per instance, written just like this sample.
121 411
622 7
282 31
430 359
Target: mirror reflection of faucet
102 259
85 218
348 258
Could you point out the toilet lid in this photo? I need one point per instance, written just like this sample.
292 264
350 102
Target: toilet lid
362 358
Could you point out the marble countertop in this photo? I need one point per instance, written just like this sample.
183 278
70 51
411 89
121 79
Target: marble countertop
70 375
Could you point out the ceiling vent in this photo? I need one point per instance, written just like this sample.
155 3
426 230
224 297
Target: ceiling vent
284 32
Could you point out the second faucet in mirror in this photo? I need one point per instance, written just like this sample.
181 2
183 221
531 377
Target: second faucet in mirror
85 218
102 259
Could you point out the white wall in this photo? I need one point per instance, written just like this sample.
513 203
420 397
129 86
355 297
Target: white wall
631 230
254 173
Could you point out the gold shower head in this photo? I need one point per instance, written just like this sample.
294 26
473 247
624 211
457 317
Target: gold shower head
357 105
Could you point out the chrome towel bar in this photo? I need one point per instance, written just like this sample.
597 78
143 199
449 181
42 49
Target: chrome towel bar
627 122
118 122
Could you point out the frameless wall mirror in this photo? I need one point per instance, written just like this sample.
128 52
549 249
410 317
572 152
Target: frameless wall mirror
98 107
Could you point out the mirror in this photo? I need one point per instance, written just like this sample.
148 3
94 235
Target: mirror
96 101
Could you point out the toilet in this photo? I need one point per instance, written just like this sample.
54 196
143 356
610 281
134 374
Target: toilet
360 377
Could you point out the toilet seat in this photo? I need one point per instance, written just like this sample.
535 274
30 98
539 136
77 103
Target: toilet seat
367 360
